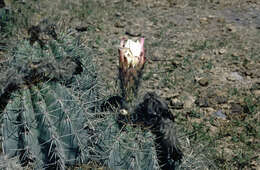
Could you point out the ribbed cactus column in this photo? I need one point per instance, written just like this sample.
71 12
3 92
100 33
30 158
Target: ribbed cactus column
127 147
19 130
45 119
45 124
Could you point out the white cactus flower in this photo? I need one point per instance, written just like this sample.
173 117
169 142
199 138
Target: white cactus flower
132 51
131 63
135 47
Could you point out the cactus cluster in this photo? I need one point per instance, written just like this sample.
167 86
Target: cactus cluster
52 114
44 122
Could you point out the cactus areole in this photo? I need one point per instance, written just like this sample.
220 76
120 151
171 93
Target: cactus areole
131 63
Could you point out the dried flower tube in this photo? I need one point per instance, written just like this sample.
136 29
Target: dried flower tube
131 63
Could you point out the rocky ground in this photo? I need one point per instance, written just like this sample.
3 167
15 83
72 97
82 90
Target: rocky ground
203 58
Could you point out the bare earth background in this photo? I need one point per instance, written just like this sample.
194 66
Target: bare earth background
203 58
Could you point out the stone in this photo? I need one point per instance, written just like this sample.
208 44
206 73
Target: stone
221 20
168 94
95 45
234 76
119 24
222 51
204 20
204 81
81 28
202 102
256 93
221 99
231 28
118 14
220 114
188 101
236 108
134 32
176 104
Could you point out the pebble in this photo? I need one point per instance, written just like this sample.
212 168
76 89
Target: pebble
221 100
231 28
188 101
220 114
222 51
118 14
204 20
221 20
168 94
202 102
133 32
119 24
204 81
176 104
236 108
81 28
256 93
95 45
234 76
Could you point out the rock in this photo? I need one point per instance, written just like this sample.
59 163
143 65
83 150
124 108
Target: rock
119 24
202 102
168 94
81 28
234 76
176 104
211 93
231 28
220 114
188 101
256 93
236 108
95 45
204 81
221 99
222 51
221 20
205 57
134 32
204 20
250 66
118 14
209 110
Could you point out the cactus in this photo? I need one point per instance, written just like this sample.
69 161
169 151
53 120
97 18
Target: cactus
52 118
6 21
6 26
126 147
150 122
44 121
45 124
